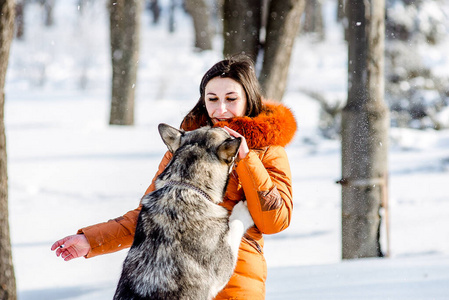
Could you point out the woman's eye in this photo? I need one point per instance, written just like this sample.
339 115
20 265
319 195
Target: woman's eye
213 99
232 99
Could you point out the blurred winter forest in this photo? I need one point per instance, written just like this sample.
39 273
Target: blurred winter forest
416 88
51 65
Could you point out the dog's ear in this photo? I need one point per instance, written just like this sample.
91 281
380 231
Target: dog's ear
229 149
171 136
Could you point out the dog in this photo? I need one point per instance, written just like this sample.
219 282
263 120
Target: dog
186 244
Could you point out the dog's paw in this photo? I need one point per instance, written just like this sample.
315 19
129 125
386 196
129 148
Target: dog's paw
240 212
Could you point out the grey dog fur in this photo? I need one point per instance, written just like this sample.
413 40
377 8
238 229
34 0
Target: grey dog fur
186 245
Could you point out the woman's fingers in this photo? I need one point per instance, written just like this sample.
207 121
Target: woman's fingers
243 150
59 246
59 243
232 132
68 257
62 244
69 254
71 247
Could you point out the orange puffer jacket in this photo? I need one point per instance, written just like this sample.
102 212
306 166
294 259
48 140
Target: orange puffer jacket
263 178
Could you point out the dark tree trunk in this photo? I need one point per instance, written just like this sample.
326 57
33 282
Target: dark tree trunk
340 10
313 18
365 125
48 10
20 19
201 15
7 278
241 27
124 32
155 9
282 28
171 16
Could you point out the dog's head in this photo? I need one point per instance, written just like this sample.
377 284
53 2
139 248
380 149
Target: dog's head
218 139
204 156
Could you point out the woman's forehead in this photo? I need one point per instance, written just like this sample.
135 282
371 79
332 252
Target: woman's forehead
223 84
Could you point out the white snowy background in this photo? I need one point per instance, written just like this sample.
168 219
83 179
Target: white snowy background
68 168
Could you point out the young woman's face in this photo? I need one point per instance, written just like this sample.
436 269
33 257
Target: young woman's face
225 99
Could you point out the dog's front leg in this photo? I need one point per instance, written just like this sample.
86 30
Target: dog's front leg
239 221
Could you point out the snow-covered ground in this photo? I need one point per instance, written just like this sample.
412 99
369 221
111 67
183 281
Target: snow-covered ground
69 169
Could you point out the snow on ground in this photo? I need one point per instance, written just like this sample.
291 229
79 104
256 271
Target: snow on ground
69 169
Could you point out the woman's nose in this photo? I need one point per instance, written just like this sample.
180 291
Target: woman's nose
222 108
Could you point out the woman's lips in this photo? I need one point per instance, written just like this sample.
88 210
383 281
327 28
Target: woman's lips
221 119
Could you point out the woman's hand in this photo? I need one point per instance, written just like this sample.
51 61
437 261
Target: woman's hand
71 247
243 150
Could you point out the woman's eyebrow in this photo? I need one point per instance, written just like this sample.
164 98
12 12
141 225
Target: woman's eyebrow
211 93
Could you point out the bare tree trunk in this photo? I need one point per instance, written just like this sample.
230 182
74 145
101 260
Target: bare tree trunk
124 31
201 15
313 18
241 27
7 277
282 28
365 125
155 9
242 24
20 19
171 16
340 10
48 11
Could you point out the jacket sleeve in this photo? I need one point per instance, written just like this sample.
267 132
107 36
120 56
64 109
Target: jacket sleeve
266 183
118 233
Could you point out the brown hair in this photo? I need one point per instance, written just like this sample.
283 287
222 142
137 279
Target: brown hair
239 68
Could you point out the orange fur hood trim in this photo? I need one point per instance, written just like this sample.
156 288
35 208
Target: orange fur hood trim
274 126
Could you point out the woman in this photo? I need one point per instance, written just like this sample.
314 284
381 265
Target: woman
230 97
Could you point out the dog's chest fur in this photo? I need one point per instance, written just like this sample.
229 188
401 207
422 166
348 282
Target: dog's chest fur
185 240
